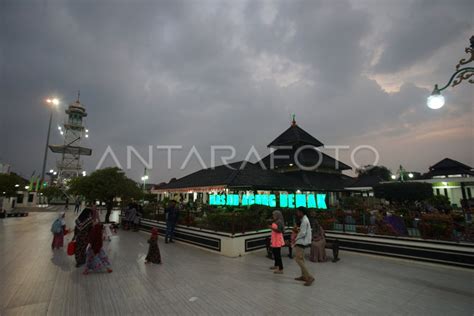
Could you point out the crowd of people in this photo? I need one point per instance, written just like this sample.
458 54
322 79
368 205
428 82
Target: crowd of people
133 214
90 233
303 236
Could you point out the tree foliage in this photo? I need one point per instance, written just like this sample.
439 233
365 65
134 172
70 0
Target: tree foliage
353 202
8 182
401 192
105 185
383 172
52 192
439 202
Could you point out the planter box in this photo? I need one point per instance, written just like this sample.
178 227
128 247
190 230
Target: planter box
350 228
450 253
223 243
458 254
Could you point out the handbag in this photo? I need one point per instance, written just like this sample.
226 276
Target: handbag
71 248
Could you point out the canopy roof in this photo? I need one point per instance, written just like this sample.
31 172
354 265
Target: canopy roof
447 167
245 175
295 135
365 181
307 157
448 163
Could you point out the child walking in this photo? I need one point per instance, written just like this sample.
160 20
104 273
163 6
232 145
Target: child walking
59 230
153 255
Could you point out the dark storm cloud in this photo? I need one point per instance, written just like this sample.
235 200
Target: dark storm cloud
427 26
214 73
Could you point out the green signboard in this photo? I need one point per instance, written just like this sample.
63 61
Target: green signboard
284 201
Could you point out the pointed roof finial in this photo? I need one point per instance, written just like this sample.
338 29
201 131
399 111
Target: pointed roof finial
78 95
293 122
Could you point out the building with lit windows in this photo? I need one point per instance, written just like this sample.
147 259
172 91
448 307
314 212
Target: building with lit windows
295 174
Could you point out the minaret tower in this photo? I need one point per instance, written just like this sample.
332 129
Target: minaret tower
74 132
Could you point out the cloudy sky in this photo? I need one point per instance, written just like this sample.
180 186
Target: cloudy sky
202 73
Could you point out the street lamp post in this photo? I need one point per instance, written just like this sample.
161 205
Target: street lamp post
144 178
436 99
402 174
54 102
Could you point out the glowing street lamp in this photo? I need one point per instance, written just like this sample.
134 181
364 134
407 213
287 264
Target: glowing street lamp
53 101
436 100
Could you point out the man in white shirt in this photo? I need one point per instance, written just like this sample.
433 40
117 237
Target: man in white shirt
302 241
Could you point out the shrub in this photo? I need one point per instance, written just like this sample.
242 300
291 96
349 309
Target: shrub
402 192
436 226
340 215
362 229
149 211
439 202
326 219
361 217
237 220
353 203
383 228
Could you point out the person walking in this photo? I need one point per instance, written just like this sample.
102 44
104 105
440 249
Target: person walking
66 206
96 257
303 240
77 205
171 213
277 240
81 235
58 229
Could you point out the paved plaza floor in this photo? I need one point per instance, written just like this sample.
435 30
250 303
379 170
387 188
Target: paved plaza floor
36 281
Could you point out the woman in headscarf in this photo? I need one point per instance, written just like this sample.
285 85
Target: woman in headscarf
58 229
277 241
153 255
96 257
81 235
318 244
